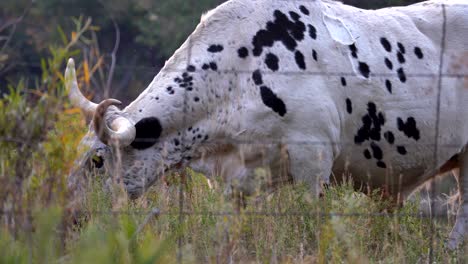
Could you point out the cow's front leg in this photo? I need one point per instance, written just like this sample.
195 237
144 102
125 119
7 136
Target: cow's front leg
311 165
461 224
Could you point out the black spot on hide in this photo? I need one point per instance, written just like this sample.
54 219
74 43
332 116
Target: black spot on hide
401 150
280 29
387 46
304 10
409 127
314 54
371 127
272 101
349 106
215 48
243 52
401 48
191 68
381 164
389 137
148 131
257 77
388 85
299 57
401 58
389 63
376 151
271 61
295 16
401 75
343 81
367 154
418 52
312 32
213 66
354 50
364 69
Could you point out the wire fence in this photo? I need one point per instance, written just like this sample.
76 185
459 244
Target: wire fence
186 137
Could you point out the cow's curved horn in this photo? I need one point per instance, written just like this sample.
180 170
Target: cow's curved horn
121 130
76 97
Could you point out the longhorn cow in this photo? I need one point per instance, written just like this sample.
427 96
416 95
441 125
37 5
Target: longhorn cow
379 95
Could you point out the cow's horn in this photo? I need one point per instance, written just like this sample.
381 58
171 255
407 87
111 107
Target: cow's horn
76 97
121 130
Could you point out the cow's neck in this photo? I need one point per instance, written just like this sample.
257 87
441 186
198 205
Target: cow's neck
192 101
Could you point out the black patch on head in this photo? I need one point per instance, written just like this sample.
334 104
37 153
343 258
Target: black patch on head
300 60
272 101
401 75
401 150
376 151
418 52
213 66
367 154
401 58
257 77
354 50
409 127
343 81
381 164
272 61
314 54
280 29
349 106
389 63
401 47
388 85
364 69
215 48
372 124
304 10
243 52
148 131
387 46
389 137
295 16
312 31
191 68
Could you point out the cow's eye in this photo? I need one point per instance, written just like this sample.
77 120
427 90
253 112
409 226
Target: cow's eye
98 161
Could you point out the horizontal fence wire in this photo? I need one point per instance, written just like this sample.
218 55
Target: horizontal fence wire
158 212
283 72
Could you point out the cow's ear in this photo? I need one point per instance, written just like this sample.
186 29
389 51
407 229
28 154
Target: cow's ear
148 130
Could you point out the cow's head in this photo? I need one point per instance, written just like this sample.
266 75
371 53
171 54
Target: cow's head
199 106
116 144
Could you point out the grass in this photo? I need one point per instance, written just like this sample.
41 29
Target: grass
39 134
356 230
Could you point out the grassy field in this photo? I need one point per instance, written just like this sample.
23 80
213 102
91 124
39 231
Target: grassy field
39 134
287 226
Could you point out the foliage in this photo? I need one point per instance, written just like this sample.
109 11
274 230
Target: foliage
38 138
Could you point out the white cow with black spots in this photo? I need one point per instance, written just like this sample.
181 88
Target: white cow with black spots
336 89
